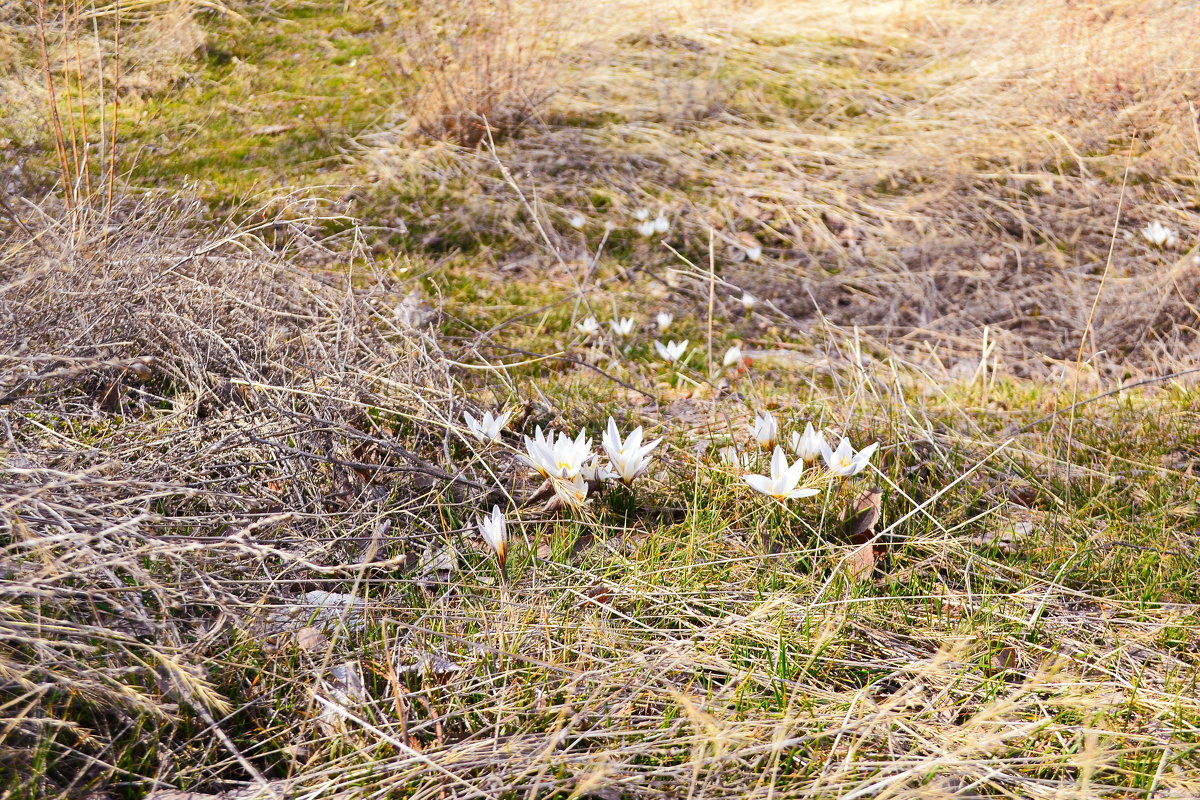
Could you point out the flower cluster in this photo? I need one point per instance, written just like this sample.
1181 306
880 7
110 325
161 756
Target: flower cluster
784 478
573 468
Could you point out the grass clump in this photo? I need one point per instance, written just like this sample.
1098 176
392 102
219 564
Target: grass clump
246 450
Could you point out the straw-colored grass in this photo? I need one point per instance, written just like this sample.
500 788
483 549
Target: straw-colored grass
237 497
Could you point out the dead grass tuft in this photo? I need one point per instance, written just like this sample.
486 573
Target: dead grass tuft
179 414
480 65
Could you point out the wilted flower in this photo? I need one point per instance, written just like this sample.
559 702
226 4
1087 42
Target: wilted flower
1159 235
732 356
629 458
845 462
748 301
486 429
808 445
664 320
577 220
672 351
588 327
494 530
765 429
783 479
622 327
572 491
646 228
661 223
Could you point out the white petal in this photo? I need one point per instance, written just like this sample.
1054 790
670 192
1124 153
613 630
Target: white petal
760 483
779 463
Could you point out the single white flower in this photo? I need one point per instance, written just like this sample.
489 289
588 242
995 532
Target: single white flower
731 456
1159 235
629 458
570 455
539 452
641 214
494 530
750 246
588 327
672 351
646 228
622 327
661 223
732 356
595 473
748 301
845 462
664 320
577 220
765 429
783 479
808 445
487 429
558 457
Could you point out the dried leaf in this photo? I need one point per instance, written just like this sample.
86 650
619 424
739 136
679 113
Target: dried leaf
597 595
311 638
861 562
1003 660
858 526
862 515
319 609
344 687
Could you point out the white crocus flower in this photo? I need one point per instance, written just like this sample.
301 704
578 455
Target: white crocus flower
783 479
577 220
596 473
750 246
664 320
487 428
588 327
646 228
641 214
662 224
1159 235
748 301
845 462
539 452
765 429
571 455
494 530
629 458
730 455
732 356
558 457
809 444
622 327
672 351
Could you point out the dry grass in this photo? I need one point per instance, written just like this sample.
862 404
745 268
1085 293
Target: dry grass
921 170
206 428
478 66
